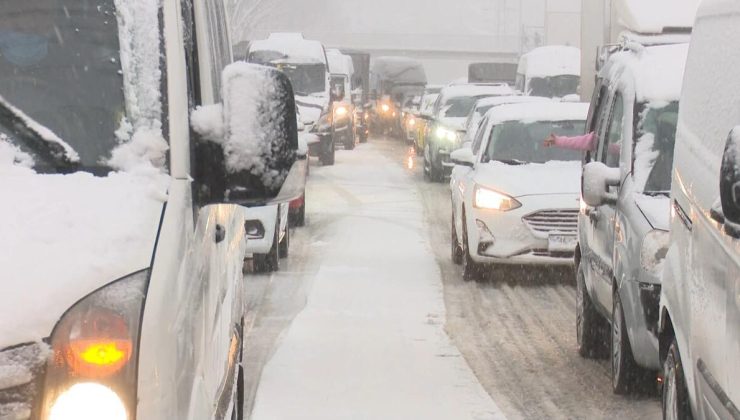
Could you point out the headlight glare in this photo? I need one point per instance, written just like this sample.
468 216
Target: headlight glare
341 111
492 200
88 401
95 351
385 108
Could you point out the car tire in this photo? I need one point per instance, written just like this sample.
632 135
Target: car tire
266 263
284 248
349 142
298 218
472 271
328 154
237 412
591 327
627 376
675 395
455 249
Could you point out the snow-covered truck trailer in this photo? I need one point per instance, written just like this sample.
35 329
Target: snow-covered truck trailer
610 22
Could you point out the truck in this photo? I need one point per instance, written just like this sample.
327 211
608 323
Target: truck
392 81
492 73
361 91
607 23
305 63
552 71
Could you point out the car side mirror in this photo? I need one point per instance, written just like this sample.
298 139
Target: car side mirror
729 182
463 157
597 178
248 146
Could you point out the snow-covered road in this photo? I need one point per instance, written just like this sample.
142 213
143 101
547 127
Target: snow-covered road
373 297
370 342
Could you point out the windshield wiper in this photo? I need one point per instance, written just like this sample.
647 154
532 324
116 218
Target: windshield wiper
38 138
511 161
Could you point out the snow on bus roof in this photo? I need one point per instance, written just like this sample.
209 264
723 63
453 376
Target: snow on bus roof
292 46
656 72
551 60
539 111
656 16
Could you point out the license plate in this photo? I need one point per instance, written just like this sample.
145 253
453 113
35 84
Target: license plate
562 243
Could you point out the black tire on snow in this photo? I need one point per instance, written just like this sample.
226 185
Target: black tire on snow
265 263
349 142
675 395
327 153
285 244
472 271
455 249
627 376
591 327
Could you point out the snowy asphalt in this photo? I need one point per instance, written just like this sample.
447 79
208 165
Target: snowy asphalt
369 319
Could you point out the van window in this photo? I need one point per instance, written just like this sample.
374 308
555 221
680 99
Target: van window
479 136
611 147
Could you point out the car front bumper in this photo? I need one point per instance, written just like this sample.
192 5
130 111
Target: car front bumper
543 231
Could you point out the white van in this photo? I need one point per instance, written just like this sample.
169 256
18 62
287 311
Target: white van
121 241
342 73
700 299
553 72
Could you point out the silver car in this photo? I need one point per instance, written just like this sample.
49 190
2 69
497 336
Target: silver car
623 222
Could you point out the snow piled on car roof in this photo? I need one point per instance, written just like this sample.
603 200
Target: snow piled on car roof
539 111
292 46
655 16
477 90
552 60
656 72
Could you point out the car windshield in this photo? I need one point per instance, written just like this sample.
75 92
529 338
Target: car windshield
60 65
518 142
554 86
458 106
653 150
307 79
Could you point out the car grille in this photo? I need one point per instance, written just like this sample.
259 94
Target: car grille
21 380
547 222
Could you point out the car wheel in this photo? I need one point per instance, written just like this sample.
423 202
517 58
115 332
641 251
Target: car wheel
675 398
455 248
237 411
349 142
328 152
285 244
472 271
298 218
590 325
626 374
265 263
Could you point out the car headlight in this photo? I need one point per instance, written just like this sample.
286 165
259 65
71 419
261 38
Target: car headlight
385 108
92 371
654 249
446 134
412 122
493 200
341 111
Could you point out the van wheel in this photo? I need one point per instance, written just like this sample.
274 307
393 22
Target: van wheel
626 374
472 271
285 244
455 249
327 155
265 263
591 327
349 142
675 398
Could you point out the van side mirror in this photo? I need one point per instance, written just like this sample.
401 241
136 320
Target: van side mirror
597 178
247 153
729 182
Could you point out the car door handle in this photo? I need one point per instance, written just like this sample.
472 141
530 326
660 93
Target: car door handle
220 234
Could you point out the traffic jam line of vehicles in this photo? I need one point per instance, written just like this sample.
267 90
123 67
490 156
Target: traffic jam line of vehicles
639 191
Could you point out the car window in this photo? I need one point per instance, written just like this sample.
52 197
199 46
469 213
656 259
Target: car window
220 44
479 136
611 146
519 142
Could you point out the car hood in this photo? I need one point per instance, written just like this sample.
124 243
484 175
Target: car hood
453 123
64 236
311 107
530 179
656 209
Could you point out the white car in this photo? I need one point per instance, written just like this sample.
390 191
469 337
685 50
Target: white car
121 293
268 236
516 201
484 105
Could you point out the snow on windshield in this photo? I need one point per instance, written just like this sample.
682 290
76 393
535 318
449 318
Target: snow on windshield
140 135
